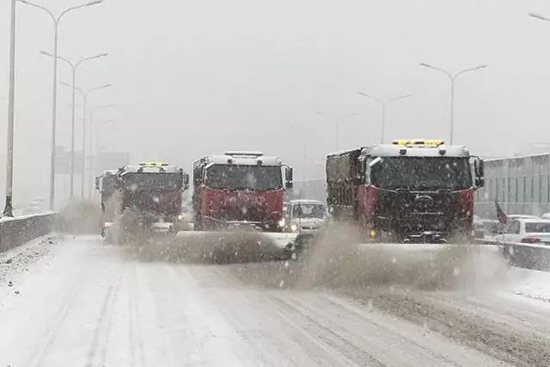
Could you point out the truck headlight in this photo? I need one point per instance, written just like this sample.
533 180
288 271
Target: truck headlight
281 223
294 228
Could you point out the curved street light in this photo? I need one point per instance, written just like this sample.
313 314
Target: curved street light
337 120
539 17
384 103
452 79
85 95
56 20
91 149
100 133
74 67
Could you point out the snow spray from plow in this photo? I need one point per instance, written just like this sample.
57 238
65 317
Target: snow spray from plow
339 259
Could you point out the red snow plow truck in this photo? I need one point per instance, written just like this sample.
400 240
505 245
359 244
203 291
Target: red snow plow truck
408 191
240 189
150 199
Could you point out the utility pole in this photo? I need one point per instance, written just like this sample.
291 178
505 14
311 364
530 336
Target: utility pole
8 209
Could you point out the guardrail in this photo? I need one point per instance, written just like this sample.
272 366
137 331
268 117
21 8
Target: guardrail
524 255
19 230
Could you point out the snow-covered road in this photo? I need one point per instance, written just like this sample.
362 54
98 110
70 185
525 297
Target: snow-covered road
79 302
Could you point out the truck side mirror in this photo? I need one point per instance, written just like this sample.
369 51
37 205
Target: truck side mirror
479 171
289 175
185 181
480 174
97 184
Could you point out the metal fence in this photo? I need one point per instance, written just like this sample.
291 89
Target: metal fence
17 231
521 185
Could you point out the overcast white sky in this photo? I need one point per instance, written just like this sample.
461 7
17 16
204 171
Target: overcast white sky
198 77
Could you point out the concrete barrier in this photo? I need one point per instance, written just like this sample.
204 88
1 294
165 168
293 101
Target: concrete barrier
17 231
524 255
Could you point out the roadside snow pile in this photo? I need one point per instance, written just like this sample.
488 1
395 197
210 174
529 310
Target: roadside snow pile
532 284
18 260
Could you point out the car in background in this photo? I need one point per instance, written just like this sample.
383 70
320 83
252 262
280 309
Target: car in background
526 230
305 216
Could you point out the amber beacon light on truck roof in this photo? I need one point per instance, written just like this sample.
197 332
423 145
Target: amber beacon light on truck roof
425 142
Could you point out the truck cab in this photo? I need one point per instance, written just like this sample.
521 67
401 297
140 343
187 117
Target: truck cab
239 189
411 190
151 196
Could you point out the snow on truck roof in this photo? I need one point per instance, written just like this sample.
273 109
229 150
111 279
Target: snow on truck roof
244 159
414 148
149 167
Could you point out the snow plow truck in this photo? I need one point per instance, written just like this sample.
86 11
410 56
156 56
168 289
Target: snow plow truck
150 199
408 191
240 190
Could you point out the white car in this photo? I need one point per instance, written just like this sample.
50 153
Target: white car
305 216
526 231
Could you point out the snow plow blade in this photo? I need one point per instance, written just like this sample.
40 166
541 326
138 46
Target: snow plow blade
224 247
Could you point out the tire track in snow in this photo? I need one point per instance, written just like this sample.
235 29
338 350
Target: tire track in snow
499 340
137 356
100 341
332 339
51 333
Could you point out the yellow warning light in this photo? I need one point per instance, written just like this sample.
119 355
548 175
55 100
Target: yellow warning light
153 164
401 142
436 142
372 233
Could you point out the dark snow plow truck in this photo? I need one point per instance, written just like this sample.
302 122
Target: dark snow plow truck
408 191
150 200
239 190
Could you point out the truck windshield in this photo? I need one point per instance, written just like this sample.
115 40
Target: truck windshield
152 181
260 178
422 173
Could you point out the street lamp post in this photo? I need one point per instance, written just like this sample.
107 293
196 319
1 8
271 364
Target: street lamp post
305 168
100 134
85 95
74 68
384 103
8 209
92 116
337 120
56 21
452 79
